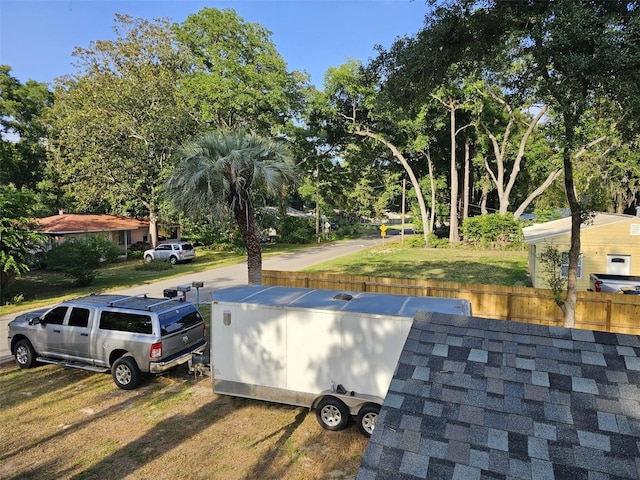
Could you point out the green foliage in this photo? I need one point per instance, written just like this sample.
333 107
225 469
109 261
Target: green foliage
22 149
223 172
19 239
492 230
417 241
210 232
237 77
153 266
80 258
119 118
297 230
551 260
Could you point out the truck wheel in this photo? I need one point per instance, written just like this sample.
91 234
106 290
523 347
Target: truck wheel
148 259
25 354
332 414
173 260
125 373
367 418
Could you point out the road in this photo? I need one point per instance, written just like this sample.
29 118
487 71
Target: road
234 275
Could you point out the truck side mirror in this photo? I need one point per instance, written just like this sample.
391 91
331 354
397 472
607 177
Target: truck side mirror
35 321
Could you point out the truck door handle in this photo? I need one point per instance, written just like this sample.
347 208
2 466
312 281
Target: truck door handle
84 334
56 331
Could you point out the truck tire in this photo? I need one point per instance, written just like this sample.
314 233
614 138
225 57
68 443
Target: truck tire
367 418
125 373
332 414
24 354
148 259
173 260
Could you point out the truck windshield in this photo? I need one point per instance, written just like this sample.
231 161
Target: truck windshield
176 321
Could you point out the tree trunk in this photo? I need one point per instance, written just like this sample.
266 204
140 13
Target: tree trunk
409 170
466 180
569 306
500 151
432 180
246 220
153 228
454 235
538 191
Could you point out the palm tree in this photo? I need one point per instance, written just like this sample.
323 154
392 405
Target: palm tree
225 170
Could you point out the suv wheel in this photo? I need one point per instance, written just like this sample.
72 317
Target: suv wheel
148 259
125 373
173 260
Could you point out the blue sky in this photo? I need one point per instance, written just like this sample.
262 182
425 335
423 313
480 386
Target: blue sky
37 37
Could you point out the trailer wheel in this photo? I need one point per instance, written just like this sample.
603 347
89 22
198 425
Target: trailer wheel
367 418
332 414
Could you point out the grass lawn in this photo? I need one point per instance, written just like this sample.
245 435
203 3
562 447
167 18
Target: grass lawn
70 423
440 264
43 287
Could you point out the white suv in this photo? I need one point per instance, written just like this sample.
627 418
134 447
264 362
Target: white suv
173 252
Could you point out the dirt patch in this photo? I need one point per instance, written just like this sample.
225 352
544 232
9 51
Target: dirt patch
62 423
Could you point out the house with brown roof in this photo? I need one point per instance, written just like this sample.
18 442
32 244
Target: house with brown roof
121 230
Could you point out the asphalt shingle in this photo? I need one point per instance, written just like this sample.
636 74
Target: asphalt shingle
480 399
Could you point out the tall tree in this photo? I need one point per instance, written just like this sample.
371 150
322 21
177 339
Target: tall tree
351 96
228 171
19 239
118 120
507 163
22 129
572 54
238 79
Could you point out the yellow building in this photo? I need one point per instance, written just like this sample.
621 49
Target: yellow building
609 243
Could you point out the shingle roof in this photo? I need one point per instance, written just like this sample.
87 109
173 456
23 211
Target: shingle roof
73 223
479 399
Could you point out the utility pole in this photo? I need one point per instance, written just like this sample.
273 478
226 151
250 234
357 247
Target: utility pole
316 174
404 188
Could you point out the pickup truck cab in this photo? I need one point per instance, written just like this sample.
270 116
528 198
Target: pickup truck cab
127 336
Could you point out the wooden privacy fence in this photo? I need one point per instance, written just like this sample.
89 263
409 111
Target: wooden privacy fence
594 311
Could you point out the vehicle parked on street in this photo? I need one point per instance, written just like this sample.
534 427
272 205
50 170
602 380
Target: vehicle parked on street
173 252
127 336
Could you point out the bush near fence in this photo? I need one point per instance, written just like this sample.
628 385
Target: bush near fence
607 312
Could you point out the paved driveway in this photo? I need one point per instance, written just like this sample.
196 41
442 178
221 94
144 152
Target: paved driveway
232 275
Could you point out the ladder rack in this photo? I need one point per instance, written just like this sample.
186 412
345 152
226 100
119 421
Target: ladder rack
149 307
124 299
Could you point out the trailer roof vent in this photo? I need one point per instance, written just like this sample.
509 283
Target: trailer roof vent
343 296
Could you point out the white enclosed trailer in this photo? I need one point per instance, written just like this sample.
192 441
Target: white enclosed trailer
327 350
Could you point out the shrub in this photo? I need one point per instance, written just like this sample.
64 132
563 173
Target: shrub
135 255
434 242
153 266
493 230
79 258
297 230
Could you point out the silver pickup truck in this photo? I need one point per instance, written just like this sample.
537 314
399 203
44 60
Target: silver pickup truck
127 336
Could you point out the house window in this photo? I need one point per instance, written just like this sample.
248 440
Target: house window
121 237
564 269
